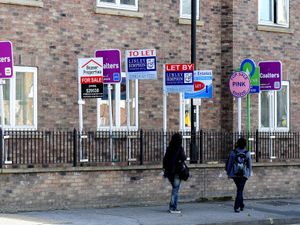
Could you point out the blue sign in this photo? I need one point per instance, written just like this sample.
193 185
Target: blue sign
203 87
141 64
179 77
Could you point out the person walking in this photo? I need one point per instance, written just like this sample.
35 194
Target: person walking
172 161
239 168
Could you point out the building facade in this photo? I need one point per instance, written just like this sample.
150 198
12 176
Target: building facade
49 36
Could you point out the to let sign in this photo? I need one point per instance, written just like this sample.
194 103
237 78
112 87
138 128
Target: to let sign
141 64
179 77
270 75
239 84
6 59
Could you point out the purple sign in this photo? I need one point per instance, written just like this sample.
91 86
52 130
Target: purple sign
111 65
270 75
6 59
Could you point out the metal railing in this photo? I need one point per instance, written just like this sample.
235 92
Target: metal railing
56 148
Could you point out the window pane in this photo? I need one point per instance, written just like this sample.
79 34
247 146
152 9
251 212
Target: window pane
128 2
265 10
186 7
264 112
282 107
6 102
132 97
104 106
24 98
123 105
111 1
282 11
187 114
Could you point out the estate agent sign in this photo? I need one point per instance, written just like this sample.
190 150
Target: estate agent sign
270 75
179 77
6 59
239 84
111 65
90 75
141 64
203 87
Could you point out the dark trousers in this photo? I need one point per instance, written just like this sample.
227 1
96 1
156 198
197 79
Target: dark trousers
239 199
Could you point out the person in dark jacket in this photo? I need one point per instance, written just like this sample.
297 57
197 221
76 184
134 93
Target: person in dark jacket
239 180
171 163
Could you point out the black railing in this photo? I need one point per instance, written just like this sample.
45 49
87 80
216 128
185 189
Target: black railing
50 148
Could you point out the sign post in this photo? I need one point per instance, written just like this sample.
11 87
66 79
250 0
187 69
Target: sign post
90 85
6 72
270 80
111 75
239 85
248 66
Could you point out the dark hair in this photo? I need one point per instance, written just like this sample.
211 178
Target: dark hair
176 140
241 143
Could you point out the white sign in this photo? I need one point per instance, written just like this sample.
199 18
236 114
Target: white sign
141 64
90 67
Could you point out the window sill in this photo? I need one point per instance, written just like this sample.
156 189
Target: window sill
269 28
188 22
118 12
33 3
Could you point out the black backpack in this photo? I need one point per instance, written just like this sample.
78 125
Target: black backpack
240 163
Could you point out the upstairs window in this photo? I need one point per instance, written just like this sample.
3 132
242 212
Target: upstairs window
119 4
185 9
274 12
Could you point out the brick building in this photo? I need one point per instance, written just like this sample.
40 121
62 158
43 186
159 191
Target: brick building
49 37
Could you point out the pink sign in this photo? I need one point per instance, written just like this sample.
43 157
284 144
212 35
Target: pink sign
239 84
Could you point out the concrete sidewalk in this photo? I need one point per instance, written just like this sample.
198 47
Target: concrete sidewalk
279 211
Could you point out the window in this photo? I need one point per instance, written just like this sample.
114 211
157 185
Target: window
185 9
274 12
20 99
119 4
123 111
274 109
185 114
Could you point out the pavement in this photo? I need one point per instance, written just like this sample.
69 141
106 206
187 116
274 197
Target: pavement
256 212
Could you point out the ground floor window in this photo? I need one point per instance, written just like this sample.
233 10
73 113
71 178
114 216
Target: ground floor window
20 99
185 114
124 106
274 109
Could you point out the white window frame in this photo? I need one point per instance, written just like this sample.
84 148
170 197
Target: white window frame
188 16
273 106
117 118
12 98
182 125
272 23
118 5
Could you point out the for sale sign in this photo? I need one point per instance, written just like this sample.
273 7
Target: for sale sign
6 59
90 76
141 64
179 77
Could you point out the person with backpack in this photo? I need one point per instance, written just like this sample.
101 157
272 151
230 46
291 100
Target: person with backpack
172 164
239 168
